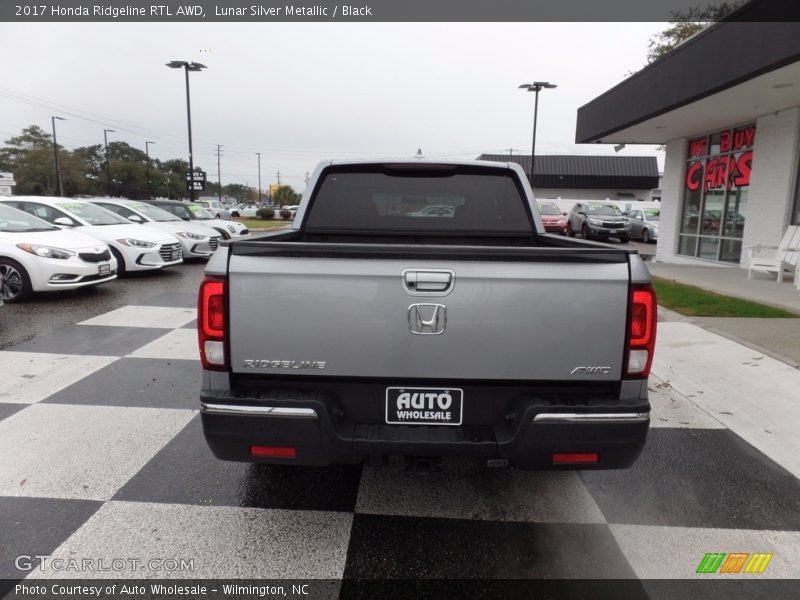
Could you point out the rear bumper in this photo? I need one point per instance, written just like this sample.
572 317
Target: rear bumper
314 423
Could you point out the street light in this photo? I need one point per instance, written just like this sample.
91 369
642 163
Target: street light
147 168
188 66
108 171
55 150
536 87
258 154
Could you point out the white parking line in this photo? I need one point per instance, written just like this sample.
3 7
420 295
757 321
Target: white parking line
144 316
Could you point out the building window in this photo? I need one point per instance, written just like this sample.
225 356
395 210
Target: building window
715 194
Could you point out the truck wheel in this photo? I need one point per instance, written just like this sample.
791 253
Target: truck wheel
645 237
16 283
235 214
570 233
585 232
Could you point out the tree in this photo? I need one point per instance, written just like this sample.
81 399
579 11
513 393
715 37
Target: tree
31 138
242 193
685 24
285 196
31 158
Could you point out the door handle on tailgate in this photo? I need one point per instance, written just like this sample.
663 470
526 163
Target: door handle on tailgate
428 282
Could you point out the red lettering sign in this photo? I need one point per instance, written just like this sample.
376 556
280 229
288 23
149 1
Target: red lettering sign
694 175
725 141
725 170
697 147
743 167
743 138
716 172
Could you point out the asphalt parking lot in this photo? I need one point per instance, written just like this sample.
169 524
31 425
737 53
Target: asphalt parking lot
45 312
103 456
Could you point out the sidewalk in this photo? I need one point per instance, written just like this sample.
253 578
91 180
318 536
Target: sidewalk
778 338
732 281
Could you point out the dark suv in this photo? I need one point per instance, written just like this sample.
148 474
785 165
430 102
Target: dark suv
598 219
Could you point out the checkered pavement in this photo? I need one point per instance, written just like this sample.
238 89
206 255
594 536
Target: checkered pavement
103 456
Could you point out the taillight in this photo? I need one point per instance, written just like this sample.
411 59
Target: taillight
641 340
211 324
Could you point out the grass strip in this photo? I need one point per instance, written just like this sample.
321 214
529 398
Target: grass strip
695 302
263 224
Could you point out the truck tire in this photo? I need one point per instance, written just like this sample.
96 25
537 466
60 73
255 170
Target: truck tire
16 282
585 231
645 236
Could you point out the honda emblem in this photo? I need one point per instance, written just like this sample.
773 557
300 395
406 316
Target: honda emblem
427 319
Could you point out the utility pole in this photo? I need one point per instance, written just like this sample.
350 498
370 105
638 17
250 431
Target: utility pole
258 154
108 170
279 177
219 175
147 154
55 149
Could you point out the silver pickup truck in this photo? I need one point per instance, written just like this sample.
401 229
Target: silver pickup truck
418 309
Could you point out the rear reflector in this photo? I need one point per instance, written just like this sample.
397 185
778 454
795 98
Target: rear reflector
274 451
575 458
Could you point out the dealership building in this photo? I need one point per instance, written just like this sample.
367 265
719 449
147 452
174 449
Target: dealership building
726 105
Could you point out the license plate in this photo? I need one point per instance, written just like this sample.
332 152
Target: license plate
424 406
103 269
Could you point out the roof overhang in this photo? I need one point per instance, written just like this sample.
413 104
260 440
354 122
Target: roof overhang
729 73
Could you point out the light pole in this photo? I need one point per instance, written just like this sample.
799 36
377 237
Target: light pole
219 174
258 154
535 87
188 66
55 149
108 171
147 167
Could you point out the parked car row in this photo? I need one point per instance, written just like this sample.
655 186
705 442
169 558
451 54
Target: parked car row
601 220
49 244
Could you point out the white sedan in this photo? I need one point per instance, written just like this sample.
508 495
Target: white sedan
136 247
216 208
198 241
229 229
196 213
38 257
245 211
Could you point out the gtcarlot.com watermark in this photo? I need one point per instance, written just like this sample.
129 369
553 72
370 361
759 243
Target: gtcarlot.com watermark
44 562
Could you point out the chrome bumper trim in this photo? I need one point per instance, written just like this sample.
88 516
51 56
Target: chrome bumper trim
258 411
591 417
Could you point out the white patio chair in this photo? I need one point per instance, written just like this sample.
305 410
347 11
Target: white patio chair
776 259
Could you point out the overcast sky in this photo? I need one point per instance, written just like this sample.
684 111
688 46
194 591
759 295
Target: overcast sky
301 93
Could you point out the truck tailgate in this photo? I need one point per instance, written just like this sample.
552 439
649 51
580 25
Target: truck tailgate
355 317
